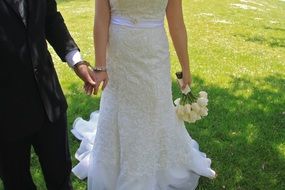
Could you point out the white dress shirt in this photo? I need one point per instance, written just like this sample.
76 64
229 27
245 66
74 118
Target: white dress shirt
73 57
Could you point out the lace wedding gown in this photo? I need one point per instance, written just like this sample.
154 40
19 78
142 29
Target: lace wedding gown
135 141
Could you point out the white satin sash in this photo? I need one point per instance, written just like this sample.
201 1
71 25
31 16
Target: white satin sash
134 23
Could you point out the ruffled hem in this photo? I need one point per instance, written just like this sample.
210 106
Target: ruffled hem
179 177
165 179
85 131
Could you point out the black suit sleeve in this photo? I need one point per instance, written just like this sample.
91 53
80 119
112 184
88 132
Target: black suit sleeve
57 33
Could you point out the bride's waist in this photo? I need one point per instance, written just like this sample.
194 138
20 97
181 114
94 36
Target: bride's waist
136 23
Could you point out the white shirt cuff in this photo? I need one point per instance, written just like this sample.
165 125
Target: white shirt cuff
73 57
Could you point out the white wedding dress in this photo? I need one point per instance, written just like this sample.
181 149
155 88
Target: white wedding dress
135 141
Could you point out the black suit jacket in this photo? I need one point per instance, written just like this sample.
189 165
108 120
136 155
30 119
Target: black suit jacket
30 89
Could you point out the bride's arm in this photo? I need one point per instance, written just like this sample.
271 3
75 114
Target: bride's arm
100 34
178 34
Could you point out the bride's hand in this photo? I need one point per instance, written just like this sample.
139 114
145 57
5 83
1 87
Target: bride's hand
101 77
187 80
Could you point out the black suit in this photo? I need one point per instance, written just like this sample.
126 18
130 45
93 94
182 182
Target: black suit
32 104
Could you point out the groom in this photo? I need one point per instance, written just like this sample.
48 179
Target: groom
32 104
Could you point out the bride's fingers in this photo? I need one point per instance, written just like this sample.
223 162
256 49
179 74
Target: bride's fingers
85 87
89 89
190 82
186 82
184 85
96 88
105 82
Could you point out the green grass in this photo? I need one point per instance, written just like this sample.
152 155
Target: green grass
238 57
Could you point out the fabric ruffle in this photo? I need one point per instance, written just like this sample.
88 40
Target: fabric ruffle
180 177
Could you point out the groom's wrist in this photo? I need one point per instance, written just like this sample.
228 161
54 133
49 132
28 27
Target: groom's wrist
83 62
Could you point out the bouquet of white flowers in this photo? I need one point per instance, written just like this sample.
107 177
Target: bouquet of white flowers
189 107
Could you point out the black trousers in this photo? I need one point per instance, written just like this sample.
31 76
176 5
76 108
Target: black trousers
51 146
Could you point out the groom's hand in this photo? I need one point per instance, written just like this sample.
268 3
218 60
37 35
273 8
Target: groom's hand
83 71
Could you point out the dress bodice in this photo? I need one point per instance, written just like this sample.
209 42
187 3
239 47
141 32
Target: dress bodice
139 9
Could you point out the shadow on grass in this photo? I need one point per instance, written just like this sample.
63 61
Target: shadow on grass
270 41
81 104
274 28
244 133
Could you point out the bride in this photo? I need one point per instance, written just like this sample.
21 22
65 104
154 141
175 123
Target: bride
135 141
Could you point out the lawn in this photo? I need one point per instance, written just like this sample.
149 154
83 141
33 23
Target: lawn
237 53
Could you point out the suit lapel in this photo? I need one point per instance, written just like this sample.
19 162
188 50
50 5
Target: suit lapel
15 6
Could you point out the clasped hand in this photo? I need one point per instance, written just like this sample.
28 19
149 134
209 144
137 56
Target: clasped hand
92 79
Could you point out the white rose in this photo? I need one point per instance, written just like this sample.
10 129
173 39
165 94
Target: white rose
192 117
187 108
180 112
204 111
203 94
202 102
177 101
186 117
196 107
198 117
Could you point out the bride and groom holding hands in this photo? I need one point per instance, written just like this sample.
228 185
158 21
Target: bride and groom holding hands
136 141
